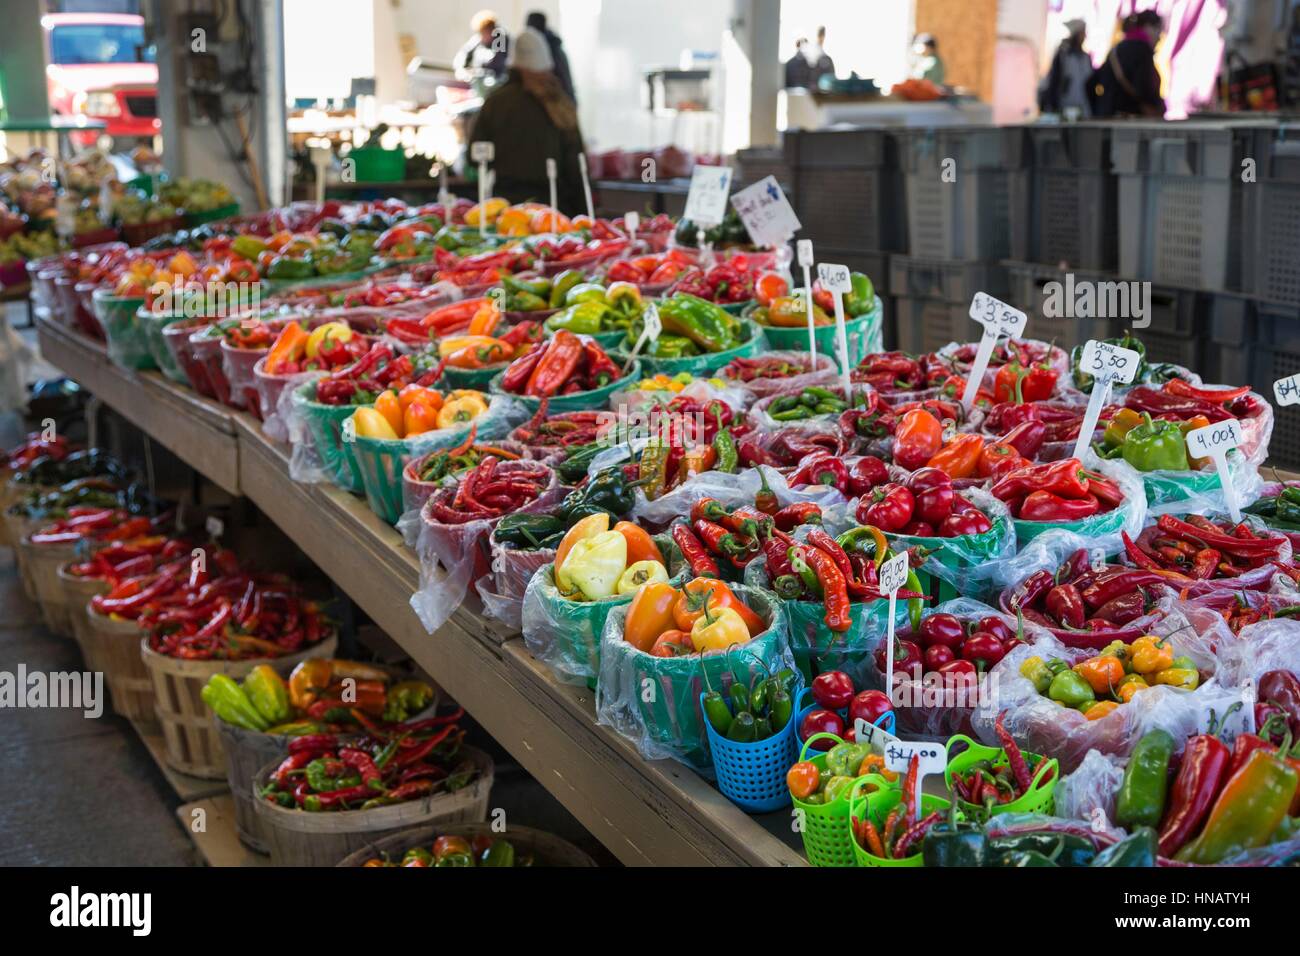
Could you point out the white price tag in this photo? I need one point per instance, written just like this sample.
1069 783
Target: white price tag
766 213
631 220
706 202
550 176
998 319
1108 362
931 758
482 151
804 250
893 573
652 327
1215 441
834 278
1287 390
586 184
876 736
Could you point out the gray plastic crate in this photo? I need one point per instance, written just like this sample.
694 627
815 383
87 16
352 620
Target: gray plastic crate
1064 198
969 215
751 165
1230 319
1180 201
932 299
846 188
1275 353
874 265
1030 291
1270 265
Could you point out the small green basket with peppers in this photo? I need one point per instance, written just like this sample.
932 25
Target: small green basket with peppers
994 768
825 826
698 336
565 634
875 807
655 701
862 332
325 425
128 343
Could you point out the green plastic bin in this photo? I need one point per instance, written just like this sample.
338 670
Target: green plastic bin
374 164
595 399
825 827
128 345
193 219
1039 798
876 807
476 378
325 422
1171 487
382 460
864 335
701 366
1109 522
959 554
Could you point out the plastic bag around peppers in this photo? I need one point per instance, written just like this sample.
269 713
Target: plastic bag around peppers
1040 724
1203 545
773 373
1177 400
455 552
1029 353
655 701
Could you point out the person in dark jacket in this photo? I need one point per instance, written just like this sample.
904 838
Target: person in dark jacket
1066 85
530 119
537 21
1128 83
798 71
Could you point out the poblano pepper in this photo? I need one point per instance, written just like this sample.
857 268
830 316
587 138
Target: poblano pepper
955 843
1141 797
1138 849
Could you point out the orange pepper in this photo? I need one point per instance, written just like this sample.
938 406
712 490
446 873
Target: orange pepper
390 406
640 546
493 352
1100 709
428 397
690 605
875 763
918 437
650 614
1102 673
1151 654
288 345
418 418
1193 423
960 457
485 319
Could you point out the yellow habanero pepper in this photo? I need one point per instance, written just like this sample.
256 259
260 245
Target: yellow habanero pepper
1100 709
1102 673
1129 687
1185 677
1151 654
457 411
642 572
717 629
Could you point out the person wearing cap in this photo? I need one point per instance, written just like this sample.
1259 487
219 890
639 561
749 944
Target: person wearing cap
926 65
483 57
1065 89
530 119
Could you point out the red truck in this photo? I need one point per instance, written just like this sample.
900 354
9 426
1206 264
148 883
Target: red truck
99 66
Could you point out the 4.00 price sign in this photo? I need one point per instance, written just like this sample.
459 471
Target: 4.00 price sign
1214 440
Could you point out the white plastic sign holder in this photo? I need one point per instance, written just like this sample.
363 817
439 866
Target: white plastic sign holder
652 327
933 758
1107 363
998 319
835 280
893 575
482 153
586 185
804 250
1215 441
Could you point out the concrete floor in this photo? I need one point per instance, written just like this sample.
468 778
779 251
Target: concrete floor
86 792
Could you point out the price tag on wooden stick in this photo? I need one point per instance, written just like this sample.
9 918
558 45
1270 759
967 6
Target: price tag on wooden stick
1107 363
835 280
931 758
1215 441
586 185
998 319
653 325
551 173
482 153
893 575
1287 390
804 250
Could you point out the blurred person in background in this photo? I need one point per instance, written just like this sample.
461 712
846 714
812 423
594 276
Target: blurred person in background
822 64
926 64
1065 90
798 71
537 21
481 62
530 119
1128 83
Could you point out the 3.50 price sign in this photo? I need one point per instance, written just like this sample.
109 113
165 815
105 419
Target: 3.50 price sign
996 316
1108 362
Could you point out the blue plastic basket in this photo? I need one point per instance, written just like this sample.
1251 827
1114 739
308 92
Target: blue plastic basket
752 775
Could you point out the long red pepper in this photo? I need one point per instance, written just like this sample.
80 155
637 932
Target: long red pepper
1203 770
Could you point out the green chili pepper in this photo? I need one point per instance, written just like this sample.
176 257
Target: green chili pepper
762 728
758 697
1141 797
716 709
739 694
780 706
704 323
743 729
724 445
1139 849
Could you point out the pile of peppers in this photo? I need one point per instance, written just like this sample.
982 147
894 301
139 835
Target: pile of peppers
379 370
1058 491
564 365
1194 548
456 851
1082 597
490 489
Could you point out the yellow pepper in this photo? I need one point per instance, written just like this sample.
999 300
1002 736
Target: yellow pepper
1123 421
489 210
716 630
457 411
1120 650
639 573
1036 671
1151 654
368 423
593 566
1185 677
1099 709
1129 687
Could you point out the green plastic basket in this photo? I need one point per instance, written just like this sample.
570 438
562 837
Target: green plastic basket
325 422
1091 527
701 366
382 460
153 324
595 399
876 807
193 219
737 308
958 554
825 827
1039 798
817 648
1170 487
476 378
128 344
863 335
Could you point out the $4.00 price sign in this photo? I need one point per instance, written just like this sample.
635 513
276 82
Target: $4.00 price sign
998 319
1107 363
1215 441
893 575
836 280
931 758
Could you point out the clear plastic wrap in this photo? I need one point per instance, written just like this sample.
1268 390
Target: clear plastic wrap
639 400
238 365
1048 549
826 373
730 489
1088 794
315 434
655 701
1043 726
564 634
1199 492
1263 647
453 555
275 393
502 590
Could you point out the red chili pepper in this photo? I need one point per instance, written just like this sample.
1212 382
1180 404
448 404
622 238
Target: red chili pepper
799 513
695 555
1200 777
1046 506
1065 478
834 588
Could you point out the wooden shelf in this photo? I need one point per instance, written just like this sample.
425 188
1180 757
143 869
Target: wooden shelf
200 432
218 840
646 813
187 787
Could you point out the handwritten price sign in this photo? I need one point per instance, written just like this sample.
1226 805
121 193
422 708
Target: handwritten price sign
766 213
1108 362
706 202
998 319
483 151
1287 390
893 573
932 758
834 278
1215 441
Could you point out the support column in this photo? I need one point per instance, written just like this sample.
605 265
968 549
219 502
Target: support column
751 64
22 60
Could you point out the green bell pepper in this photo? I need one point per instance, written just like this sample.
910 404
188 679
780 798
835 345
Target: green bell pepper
582 318
669 346
1141 797
525 302
586 292
1156 446
862 298
1138 849
538 287
1070 689
561 285
249 247
955 843
500 853
287 267
704 323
